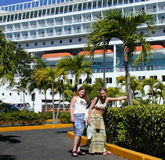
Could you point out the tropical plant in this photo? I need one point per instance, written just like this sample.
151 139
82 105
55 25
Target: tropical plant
151 82
124 27
49 75
77 65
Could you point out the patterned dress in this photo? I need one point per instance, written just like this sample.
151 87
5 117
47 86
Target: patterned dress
98 140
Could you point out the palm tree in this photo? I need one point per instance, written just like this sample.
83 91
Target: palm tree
125 28
49 75
77 65
114 92
160 88
151 82
7 56
135 85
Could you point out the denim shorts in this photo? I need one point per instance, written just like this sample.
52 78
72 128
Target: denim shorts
79 124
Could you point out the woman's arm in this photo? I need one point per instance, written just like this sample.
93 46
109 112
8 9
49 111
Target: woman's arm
116 99
74 99
90 109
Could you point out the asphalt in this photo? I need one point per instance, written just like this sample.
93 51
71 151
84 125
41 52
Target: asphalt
47 144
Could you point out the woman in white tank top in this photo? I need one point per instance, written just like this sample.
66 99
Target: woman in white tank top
77 111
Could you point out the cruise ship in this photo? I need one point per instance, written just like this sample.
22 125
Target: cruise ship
53 29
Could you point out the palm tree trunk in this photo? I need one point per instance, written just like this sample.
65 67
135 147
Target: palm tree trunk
23 99
104 67
129 94
46 107
58 110
53 111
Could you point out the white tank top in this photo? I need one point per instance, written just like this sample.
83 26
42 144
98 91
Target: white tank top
80 106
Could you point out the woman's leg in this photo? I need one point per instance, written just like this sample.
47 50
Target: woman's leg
76 143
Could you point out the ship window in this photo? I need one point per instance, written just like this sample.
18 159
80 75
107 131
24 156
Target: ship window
52 42
89 5
48 11
104 3
90 81
35 13
39 14
0 19
84 6
163 78
109 80
141 78
79 39
80 81
27 45
94 4
52 11
3 94
8 18
16 16
99 4
164 30
66 9
57 10
44 12
31 14
27 15
79 7
60 41
20 15
70 8
19 46
43 43
23 17
12 17
70 40
153 77
61 9
35 44
4 18
10 94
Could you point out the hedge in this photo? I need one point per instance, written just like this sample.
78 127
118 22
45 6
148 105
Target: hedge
22 118
140 128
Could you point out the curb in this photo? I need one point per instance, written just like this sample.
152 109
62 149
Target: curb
37 127
119 151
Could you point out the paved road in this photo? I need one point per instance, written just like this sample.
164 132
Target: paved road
49 144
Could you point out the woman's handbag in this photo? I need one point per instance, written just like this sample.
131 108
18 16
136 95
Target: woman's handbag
89 132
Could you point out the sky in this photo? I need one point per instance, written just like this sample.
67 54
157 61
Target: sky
8 2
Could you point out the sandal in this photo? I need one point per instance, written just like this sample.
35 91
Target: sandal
81 153
74 154
106 153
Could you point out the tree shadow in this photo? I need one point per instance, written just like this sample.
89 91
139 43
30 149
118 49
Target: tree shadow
7 157
10 139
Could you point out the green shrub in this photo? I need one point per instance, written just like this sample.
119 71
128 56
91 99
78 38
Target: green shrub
64 117
140 128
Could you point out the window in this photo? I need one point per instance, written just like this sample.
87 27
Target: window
163 78
19 46
80 81
154 77
70 40
90 81
52 42
10 94
79 39
3 94
43 43
70 81
109 80
35 44
27 45
141 78
60 41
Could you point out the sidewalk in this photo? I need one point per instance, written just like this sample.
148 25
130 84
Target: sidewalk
47 144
